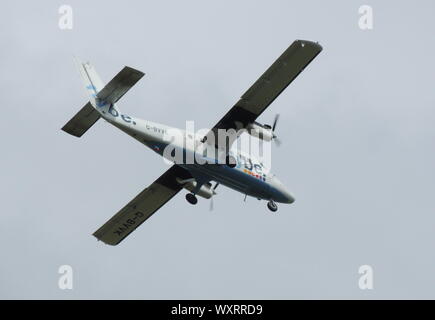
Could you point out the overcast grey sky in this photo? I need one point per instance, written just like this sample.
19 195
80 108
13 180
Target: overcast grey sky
358 151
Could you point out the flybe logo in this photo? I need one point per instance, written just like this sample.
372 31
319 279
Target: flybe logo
255 175
255 170
91 87
112 110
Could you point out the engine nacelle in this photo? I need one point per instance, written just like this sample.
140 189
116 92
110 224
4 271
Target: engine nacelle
205 191
263 132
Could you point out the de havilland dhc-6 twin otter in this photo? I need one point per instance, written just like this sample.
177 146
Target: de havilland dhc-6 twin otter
242 173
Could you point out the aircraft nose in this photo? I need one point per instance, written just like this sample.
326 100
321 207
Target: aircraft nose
282 194
288 197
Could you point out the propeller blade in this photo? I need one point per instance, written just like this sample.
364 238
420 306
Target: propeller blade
275 122
212 196
277 141
211 204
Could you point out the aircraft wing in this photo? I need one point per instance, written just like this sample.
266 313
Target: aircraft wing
142 207
269 86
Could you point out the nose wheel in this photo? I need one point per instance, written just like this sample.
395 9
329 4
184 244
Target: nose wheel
272 206
191 198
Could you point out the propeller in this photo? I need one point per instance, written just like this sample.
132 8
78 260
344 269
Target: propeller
275 121
212 194
274 136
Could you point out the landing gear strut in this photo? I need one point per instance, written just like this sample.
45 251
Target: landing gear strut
272 206
191 198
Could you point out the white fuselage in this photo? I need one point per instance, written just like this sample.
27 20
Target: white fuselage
249 176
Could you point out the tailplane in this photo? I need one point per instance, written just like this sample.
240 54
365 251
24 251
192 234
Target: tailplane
101 97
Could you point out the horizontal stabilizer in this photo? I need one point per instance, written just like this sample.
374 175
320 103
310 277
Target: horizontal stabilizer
119 85
82 121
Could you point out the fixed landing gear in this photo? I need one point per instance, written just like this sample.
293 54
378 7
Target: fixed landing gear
191 198
272 206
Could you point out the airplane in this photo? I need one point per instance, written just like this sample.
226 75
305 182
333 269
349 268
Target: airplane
242 173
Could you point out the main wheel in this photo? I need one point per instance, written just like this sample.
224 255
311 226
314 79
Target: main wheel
272 206
190 197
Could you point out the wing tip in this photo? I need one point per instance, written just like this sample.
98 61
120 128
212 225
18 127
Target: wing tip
314 44
134 70
108 242
68 130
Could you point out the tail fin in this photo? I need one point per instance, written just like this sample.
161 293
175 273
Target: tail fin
100 96
91 80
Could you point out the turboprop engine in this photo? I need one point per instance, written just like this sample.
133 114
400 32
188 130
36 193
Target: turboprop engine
206 191
264 132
